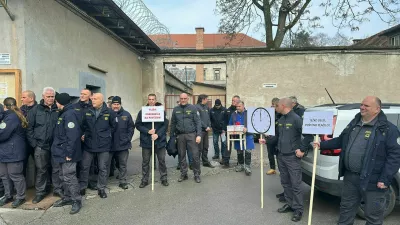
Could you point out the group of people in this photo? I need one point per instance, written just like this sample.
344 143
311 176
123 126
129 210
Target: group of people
71 141
71 144
369 159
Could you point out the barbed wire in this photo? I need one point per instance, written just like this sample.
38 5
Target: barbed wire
147 21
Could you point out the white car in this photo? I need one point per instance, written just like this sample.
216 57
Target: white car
326 178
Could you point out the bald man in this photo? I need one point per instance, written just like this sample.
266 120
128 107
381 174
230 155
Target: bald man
291 148
186 125
369 159
98 129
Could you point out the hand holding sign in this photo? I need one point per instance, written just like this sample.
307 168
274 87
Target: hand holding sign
316 123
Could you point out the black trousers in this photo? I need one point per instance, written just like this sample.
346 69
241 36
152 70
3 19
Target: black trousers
375 201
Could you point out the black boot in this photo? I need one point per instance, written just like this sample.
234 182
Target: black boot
123 186
297 216
76 207
62 202
4 200
18 203
143 184
182 178
102 193
38 198
240 157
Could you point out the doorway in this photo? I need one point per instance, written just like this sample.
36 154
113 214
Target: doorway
10 84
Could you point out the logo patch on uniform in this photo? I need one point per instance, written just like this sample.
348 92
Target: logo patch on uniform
106 114
3 125
88 114
124 117
71 125
367 134
58 122
105 118
78 109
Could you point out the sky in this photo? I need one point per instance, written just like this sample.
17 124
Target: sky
182 16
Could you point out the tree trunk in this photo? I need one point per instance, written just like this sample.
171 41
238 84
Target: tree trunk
268 25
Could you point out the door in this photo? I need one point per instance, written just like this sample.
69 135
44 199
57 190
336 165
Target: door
10 85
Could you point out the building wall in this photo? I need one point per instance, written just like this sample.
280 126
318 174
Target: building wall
199 89
12 36
209 76
348 75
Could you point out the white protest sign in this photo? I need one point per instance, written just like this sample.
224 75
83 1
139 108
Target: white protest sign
261 120
152 114
318 122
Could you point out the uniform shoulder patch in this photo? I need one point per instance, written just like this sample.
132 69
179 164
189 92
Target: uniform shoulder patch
3 125
71 125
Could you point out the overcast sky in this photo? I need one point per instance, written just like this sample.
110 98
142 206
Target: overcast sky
182 16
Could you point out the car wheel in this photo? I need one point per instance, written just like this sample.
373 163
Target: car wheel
390 203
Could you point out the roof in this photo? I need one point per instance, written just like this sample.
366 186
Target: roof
209 85
210 41
110 16
381 39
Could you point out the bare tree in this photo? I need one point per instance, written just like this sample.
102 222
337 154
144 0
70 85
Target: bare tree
277 17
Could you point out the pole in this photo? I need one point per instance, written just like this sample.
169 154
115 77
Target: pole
262 172
3 3
152 159
313 181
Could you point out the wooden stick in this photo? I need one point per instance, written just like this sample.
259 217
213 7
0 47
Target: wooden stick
262 172
313 181
152 159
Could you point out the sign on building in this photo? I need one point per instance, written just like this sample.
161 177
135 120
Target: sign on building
5 59
269 85
152 114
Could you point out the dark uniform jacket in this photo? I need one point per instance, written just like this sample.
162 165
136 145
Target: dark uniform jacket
185 120
204 114
227 115
25 109
42 121
382 157
217 117
12 138
98 131
299 110
123 131
145 137
289 134
82 108
67 136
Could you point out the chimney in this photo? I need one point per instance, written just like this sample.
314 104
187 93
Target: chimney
199 38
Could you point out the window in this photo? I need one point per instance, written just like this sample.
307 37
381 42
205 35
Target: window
395 41
217 75
205 74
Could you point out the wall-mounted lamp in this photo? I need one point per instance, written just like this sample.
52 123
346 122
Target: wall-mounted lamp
97 68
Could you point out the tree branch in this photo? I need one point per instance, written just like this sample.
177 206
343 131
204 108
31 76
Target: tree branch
299 14
256 3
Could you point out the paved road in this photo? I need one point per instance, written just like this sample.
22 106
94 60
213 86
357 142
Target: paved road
223 197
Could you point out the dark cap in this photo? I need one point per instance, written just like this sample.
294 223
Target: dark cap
217 102
116 99
63 98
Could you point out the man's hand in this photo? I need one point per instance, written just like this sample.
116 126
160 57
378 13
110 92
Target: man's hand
152 131
381 185
299 153
83 138
68 159
154 137
244 129
208 129
198 139
316 144
262 141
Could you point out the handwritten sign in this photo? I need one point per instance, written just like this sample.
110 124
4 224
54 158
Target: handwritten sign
152 113
318 122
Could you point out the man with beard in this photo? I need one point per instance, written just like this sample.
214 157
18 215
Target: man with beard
122 139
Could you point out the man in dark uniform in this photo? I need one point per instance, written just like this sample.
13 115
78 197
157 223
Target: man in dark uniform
291 149
297 108
271 144
186 125
204 114
228 113
122 139
66 150
369 159
42 119
217 114
98 127
159 135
